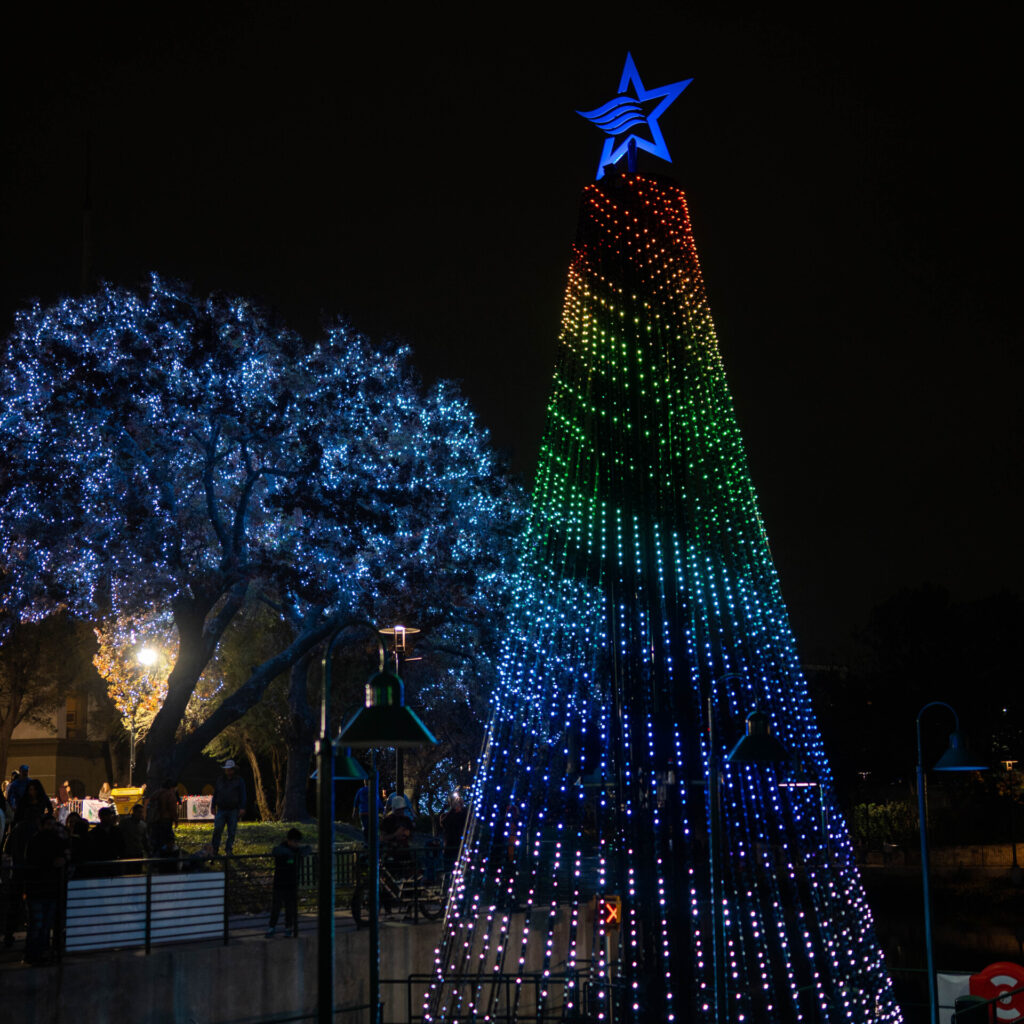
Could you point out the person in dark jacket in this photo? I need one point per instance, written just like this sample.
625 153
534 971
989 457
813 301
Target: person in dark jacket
162 814
136 835
17 786
77 829
228 802
33 802
104 843
453 824
286 882
46 857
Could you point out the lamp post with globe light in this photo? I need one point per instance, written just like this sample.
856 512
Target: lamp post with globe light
147 657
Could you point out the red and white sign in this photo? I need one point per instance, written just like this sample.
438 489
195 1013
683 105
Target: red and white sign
996 979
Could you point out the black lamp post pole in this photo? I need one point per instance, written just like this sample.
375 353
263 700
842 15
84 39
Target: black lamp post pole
325 849
385 721
374 855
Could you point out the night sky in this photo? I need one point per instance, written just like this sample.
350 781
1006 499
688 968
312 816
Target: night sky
852 182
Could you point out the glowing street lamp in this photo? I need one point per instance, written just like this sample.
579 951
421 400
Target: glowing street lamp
401 639
147 657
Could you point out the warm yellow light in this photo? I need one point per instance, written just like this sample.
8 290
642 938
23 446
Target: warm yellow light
148 656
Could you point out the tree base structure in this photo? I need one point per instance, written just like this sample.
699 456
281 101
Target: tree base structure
617 865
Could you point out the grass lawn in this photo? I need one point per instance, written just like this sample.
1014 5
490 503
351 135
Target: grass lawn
252 836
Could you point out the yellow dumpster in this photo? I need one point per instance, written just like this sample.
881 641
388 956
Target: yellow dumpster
126 797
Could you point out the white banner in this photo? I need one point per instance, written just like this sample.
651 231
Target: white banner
197 808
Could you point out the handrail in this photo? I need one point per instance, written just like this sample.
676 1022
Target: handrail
146 896
987 1003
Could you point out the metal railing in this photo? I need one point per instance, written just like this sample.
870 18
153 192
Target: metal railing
140 903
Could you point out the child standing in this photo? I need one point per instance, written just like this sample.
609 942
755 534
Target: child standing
286 882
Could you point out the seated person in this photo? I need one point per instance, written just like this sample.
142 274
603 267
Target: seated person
397 854
399 805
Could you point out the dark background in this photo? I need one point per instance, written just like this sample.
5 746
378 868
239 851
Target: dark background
852 183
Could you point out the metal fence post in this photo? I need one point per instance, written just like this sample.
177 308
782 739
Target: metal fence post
224 869
149 910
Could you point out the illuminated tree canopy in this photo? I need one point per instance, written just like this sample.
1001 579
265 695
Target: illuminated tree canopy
182 455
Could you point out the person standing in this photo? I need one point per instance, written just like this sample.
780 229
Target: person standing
5 813
229 798
361 808
17 786
163 817
286 882
46 857
453 824
104 843
33 803
136 838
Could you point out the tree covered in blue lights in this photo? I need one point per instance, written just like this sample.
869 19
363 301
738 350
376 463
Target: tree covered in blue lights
177 456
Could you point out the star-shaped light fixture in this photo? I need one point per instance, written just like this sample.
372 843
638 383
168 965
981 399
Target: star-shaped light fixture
617 117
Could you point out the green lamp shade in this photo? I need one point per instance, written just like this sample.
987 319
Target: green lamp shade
385 721
956 759
759 746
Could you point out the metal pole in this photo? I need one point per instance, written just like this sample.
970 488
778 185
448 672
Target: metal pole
933 995
1015 867
325 850
374 854
131 755
399 753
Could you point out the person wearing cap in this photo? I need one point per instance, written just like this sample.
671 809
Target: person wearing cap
229 798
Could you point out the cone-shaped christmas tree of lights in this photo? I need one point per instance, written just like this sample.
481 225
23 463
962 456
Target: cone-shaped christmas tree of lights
618 865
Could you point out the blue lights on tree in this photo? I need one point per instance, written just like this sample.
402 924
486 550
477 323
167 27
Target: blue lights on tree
648 624
167 455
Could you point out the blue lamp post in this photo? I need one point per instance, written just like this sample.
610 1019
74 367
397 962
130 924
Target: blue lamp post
955 759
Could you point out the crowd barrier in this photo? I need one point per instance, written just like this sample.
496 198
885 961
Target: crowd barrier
138 904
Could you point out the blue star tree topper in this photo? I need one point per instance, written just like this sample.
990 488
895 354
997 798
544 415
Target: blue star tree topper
619 116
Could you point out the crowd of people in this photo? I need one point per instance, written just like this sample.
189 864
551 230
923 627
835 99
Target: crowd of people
44 842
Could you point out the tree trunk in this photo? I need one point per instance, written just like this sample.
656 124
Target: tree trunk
257 781
301 736
189 619
277 767
297 775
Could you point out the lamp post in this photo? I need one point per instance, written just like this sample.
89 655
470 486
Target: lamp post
385 721
326 774
401 645
1015 872
147 658
955 759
